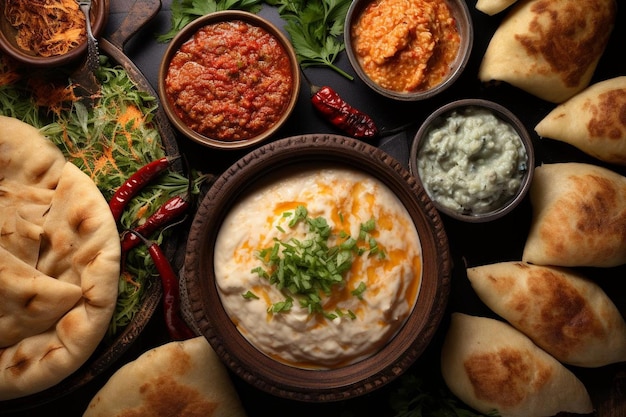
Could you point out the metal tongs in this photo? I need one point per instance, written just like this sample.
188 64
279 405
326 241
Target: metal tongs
87 86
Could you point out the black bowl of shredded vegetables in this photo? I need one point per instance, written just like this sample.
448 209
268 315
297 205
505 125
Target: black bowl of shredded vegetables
339 377
44 35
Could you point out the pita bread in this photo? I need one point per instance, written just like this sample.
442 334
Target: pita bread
566 314
183 379
492 7
549 48
579 212
592 120
490 366
26 157
31 301
61 263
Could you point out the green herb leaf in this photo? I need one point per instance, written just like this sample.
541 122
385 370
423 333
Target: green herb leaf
358 291
186 11
316 30
249 295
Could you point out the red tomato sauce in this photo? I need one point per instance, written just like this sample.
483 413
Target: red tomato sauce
231 81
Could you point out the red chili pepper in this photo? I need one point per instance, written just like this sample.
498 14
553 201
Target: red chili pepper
170 210
135 183
176 326
342 115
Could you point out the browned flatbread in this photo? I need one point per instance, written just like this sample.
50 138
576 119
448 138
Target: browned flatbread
61 263
549 48
593 121
579 213
492 7
182 379
563 312
490 365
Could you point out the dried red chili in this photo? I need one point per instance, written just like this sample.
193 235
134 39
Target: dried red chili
177 328
342 115
164 215
135 183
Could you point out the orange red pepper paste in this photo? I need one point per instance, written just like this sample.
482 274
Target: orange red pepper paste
231 81
406 45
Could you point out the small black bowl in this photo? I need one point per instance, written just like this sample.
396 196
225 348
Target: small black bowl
504 205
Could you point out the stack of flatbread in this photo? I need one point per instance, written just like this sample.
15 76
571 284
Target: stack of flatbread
60 266
548 48
183 379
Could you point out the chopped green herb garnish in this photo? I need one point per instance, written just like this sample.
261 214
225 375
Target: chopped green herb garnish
310 269
358 291
249 295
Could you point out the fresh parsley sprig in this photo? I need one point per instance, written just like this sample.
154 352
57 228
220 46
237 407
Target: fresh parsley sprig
311 268
316 30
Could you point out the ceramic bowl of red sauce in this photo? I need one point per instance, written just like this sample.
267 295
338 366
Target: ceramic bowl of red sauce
229 80
43 35
408 50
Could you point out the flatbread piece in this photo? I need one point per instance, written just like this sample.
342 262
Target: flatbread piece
592 121
565 313
183 379
549 48
490 365
492 7
579 216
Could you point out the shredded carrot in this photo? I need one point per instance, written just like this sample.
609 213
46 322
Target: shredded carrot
134 115
53 96
46 27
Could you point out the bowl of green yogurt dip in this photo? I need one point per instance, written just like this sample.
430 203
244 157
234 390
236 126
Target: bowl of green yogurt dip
474 158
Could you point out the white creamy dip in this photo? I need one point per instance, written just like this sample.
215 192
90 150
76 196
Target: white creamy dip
346 199
472 162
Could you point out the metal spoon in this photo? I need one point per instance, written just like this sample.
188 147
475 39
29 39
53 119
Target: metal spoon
86 85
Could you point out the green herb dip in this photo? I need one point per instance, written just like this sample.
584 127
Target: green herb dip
472 161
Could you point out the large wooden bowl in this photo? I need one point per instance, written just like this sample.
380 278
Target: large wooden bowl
305 384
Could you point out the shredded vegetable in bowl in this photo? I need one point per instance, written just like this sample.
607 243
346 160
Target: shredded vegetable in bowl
108 142
46 27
